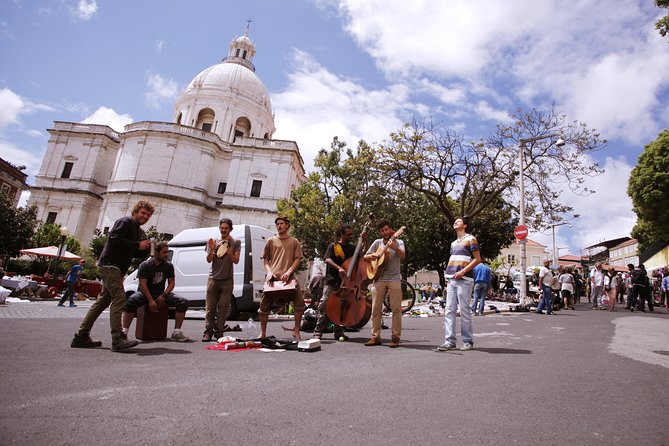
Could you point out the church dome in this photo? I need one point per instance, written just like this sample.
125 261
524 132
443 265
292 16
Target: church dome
228 98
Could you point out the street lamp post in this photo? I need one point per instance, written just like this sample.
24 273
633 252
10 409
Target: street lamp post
523 247
554 253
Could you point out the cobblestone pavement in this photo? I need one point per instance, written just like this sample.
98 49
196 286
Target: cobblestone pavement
46 309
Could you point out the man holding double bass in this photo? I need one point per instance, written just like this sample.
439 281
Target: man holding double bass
387 283
335 255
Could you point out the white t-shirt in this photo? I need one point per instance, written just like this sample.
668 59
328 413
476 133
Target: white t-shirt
547 275
567 281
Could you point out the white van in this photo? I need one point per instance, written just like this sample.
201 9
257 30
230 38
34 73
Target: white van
191 270
533 288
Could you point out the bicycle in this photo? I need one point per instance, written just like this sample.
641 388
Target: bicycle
408 297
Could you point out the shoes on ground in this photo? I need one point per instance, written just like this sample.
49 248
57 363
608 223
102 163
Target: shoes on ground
72 305
122 343
84 341
178 335
373 341
60 304
469 346
206 337
445 347
540 312
394 342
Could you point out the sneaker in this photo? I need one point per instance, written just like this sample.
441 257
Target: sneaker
178 335
72 305
316 335
467 346
373 341
445 347
122 343
84 341
60 304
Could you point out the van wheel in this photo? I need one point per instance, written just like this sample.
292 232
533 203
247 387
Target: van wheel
233 313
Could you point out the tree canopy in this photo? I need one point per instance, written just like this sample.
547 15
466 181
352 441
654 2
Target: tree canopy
662 25
649 189
467 178
17 226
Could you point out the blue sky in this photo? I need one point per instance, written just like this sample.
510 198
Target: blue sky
354 69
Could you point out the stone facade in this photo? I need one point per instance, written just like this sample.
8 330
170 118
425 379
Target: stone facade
216 160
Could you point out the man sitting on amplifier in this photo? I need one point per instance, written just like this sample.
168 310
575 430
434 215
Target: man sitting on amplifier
152 275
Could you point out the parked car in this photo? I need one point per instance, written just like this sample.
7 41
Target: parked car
187 253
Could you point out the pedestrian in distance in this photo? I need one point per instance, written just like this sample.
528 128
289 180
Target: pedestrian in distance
123 244
546 278
482 286
597 285
152 275
223 254
567 287
71 280
281 257
465 255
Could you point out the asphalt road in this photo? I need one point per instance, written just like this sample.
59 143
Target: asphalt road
579 377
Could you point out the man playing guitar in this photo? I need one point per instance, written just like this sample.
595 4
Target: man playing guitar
388 283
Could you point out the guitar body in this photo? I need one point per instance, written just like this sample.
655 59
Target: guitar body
375 267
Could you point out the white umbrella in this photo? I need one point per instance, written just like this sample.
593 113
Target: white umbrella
50 251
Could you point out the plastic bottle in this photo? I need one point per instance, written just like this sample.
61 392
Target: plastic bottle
251 329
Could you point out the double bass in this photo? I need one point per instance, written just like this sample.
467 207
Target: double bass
350 306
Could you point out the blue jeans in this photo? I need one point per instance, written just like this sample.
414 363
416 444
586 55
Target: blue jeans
68 292
480 290
458 293
546 300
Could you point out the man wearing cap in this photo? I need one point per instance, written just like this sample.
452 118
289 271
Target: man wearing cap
281 257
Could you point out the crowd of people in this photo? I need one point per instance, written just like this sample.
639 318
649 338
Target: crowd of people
466 273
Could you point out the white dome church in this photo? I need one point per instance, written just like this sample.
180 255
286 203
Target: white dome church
217 159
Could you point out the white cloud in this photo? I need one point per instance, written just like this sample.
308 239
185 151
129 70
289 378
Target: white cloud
11 106
159 44
590 58
318 105
109 117
84 10
18 156
607 214
161 91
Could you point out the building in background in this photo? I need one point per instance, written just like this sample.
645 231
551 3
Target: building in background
509 257
12 180
217 159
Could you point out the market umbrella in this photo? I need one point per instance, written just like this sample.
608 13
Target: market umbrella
50 251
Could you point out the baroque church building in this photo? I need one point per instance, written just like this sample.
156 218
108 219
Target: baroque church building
217 159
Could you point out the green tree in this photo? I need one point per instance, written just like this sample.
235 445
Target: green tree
469 178
48 234
649 189
97 244
662 25
16 226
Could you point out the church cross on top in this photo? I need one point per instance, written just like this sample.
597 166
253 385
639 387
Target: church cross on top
248 25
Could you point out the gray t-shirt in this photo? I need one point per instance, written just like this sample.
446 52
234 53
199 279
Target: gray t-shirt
391 272
221 267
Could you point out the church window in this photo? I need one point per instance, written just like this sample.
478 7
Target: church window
206 116
244 55
67 170
255 188
242 127
221 187
179 118
237 53
6 189
219 204
105 231
51 218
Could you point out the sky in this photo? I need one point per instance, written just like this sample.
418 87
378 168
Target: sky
356 69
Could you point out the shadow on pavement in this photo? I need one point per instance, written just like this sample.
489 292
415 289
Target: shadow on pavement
157 351
504 351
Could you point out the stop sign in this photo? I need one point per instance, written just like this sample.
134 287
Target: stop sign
520 232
